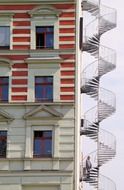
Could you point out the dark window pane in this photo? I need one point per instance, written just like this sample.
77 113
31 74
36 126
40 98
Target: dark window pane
49 93
37 148
50 29
5 93
38 90
48 147
5 37
38 133
3 143
42 143
4 87
49 79
44 37
40 43
39 79
40 29
49 40
47 134
44 88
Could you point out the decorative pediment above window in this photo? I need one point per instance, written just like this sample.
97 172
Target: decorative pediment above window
42 112
5 116
5 62
44 11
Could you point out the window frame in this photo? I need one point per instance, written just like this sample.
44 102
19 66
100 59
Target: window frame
4 156
5 47
37 69
43 23
46 127
42 143
43 87
45 34
6 20
1 89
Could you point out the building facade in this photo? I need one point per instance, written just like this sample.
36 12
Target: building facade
39 104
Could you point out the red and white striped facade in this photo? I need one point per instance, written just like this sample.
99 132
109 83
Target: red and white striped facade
21 47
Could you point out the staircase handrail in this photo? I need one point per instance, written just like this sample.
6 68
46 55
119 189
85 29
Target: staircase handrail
102 184
94 64
106 94
109 140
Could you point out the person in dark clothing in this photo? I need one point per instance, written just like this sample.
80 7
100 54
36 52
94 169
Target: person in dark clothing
88 166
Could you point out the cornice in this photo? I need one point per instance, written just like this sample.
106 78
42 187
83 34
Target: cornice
32 52
35 1
36 104
6 14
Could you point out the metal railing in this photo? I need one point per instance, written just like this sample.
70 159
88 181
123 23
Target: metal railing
104 19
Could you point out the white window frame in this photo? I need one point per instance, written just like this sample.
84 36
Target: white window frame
47 21
7 21
30 139
5 72
50 69
47 128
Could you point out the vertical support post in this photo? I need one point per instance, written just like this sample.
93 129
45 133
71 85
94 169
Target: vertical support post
77 98
99 3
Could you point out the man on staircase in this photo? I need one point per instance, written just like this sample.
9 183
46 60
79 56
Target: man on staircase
88 166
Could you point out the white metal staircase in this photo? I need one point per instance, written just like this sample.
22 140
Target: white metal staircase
104 19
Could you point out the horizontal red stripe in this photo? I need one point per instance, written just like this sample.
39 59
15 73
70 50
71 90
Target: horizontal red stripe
68 56
67 81
15 57
16 7
19 89
67 22
67 89
67 73
19 81
20 65
21 15
19 97
21 23
69 14
67 65
21 39
21 31
19 73
67 30
67 97
67 38
67 46
23 47
64 6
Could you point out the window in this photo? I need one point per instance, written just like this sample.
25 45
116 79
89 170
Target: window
4 37
44 88
44 37
43 143
4 85
3 143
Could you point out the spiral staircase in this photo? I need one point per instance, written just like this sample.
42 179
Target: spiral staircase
104 62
